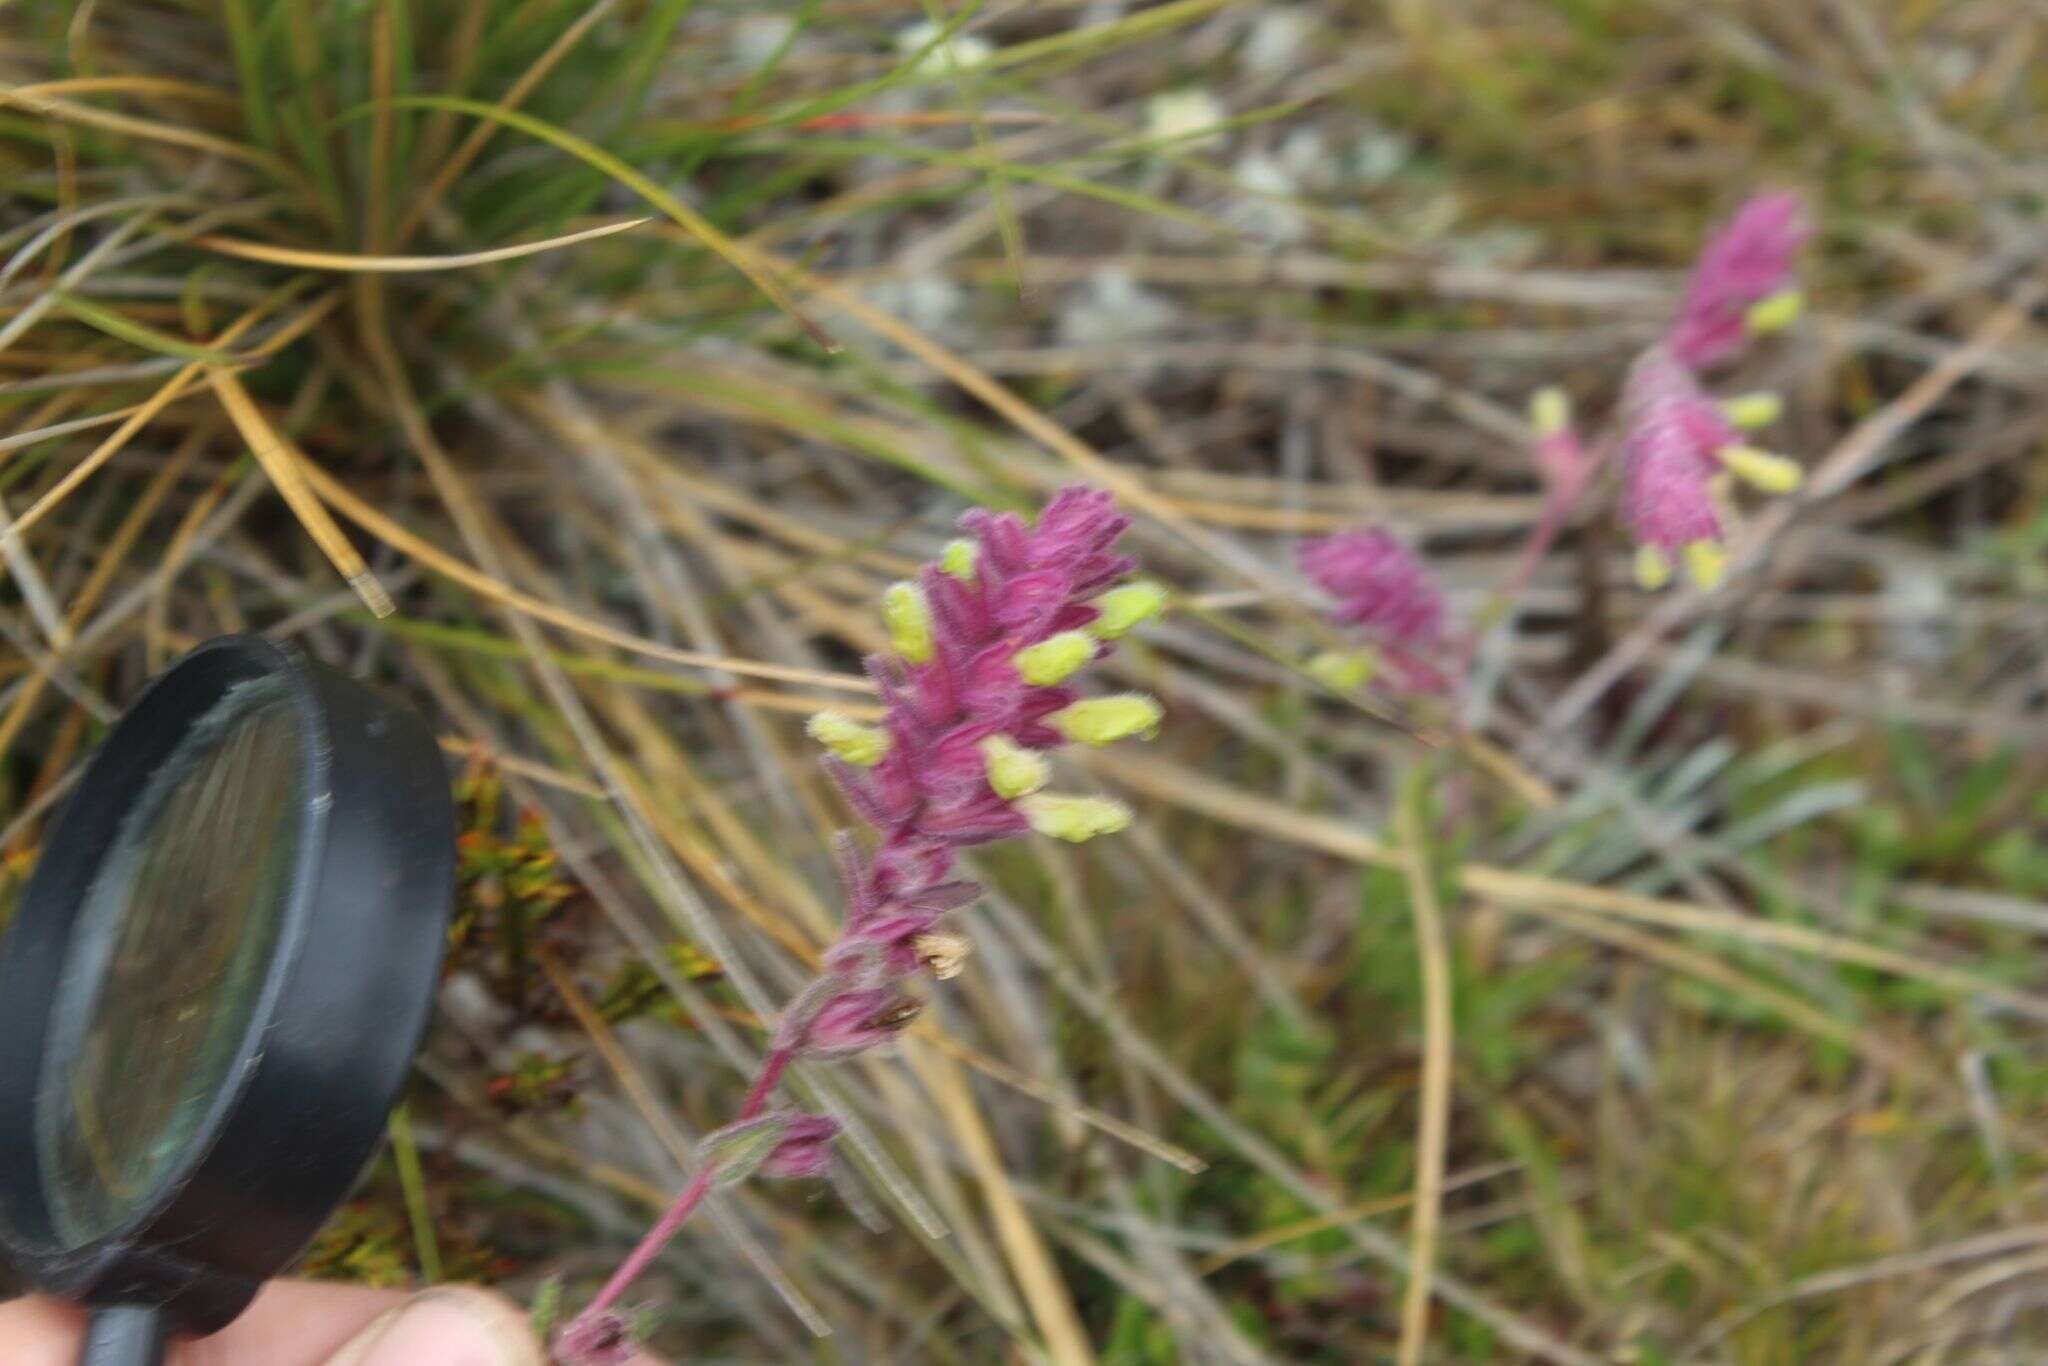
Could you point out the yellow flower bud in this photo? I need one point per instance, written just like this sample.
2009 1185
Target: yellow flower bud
1761 469
909 619
1343 670
848 739
1653 569
1013 771
1054 659
1075 819
1751 411
957 559
1707 562
1105 720
1124 607
1775 312
1550 411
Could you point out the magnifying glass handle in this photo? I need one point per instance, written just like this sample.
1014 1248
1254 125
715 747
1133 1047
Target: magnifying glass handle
125 1335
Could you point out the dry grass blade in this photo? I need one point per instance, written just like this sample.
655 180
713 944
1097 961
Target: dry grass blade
402 265
285 463
1434 1103
126 85
749 262
141 416
151 129
1150 1144
1046 1294
337 496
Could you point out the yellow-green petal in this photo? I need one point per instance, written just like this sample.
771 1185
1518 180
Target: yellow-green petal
1054 659
1707 562
1013 771
1105 720
848 738
1775 312
1653 567
1124 607
957 559
1343 670
1075 819
1751 411
1550 411
909 619
1761 469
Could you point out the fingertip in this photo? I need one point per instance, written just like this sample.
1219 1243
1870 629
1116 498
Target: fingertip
450 1326
39 1331
292 1323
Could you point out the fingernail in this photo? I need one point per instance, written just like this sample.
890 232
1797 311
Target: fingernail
452 1326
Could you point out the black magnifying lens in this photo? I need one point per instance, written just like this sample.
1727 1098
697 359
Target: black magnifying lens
213 988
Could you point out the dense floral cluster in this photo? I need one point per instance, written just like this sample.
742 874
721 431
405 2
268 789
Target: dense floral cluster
1680 448
977 689
1383 588
1679 444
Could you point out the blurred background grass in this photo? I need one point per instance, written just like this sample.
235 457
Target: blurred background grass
514 316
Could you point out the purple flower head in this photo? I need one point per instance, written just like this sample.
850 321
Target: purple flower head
1384 587
984 646
1681 451
1672 431
1750 259
1379 583
987 642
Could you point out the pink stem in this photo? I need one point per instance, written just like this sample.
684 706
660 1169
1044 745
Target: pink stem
649 1247
1538 545
772 1068
657 1238
1549 523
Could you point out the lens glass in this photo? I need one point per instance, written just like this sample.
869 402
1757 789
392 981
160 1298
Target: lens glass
168 959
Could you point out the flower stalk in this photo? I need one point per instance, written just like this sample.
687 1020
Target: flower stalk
977 689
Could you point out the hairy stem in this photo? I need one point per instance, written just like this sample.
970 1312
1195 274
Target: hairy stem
650 1246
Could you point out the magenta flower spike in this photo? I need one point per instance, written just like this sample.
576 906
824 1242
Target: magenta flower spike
1378 583
987 646
1746 266
1680 450
1670 431
1383 587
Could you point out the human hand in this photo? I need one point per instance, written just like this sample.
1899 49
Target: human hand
302 1323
